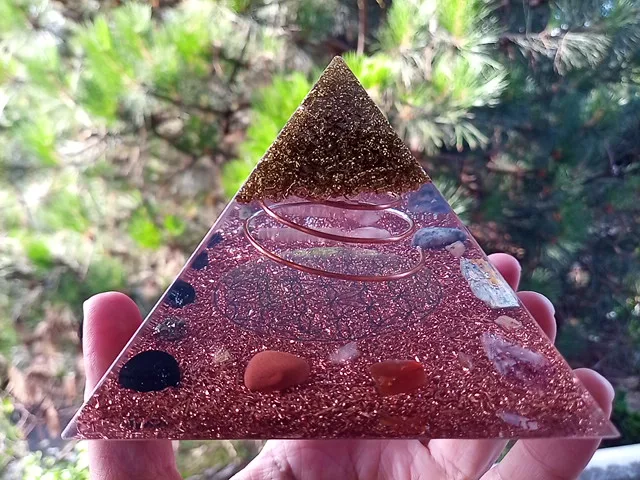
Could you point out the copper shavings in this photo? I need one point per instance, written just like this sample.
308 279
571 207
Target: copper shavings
337 144
462 397
414 425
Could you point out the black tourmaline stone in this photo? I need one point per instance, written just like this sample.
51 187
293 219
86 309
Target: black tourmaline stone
201 261
180 294
215 239
150 371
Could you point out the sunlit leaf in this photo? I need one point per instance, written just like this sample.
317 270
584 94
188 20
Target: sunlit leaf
38 252
174 225
144 231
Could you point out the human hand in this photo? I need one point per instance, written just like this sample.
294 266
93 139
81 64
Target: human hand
112 318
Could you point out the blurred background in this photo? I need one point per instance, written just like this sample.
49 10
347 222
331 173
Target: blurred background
125 127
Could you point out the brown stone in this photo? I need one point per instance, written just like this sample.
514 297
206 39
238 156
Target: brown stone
398 376
271 371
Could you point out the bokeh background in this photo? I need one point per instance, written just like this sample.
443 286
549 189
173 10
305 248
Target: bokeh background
125 127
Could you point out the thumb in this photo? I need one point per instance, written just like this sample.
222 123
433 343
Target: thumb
110 320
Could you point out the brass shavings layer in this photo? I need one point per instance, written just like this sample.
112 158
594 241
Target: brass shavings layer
338 143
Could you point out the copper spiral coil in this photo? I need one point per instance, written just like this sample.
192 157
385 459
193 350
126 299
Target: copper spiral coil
363 206
338 238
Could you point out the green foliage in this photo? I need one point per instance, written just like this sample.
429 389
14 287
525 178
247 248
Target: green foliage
40 137
143 229
375 73
313 17
174 226
38 252
65 210
9 435
406 25
124 126
271 109
8 339
103 274
627 421
39 467
460 17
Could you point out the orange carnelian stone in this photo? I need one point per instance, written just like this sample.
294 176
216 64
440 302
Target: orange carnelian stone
270 371
398 376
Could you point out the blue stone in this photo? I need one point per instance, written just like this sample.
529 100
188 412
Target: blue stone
437 237
201 261
428 200
215 239
180 294
150 371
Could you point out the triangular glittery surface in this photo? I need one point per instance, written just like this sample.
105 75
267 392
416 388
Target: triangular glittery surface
339 296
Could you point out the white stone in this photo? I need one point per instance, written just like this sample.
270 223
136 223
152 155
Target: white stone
346 353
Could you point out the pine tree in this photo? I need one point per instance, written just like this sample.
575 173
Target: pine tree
125 126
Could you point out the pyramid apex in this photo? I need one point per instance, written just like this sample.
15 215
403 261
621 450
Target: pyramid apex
337 143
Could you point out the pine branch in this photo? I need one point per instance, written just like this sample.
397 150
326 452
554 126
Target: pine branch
186 106
568 50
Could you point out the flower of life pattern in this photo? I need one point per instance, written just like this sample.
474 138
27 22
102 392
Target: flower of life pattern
273 300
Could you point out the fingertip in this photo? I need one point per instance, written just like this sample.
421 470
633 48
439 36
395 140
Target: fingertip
508 267
110 319
99 300
542 310
599 387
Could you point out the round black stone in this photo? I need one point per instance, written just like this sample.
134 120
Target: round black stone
180 294
201 261
150 371
215 239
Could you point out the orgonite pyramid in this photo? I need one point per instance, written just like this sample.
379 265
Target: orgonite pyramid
339 296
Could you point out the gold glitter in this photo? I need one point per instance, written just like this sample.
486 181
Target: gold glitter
338 143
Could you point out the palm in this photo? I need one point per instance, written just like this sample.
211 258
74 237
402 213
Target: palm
111 319
360 459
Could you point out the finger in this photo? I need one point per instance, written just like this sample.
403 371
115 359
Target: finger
471 458
542 310
110 319
556 459
508 267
